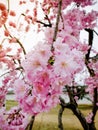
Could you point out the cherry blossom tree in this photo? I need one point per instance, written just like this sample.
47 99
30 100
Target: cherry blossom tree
39 77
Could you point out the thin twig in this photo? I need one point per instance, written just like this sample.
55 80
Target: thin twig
95 32
8 5
57 20
90 41
17 40
44 24
18 68
21 45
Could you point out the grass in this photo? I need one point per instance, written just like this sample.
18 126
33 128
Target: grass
10 104
49 120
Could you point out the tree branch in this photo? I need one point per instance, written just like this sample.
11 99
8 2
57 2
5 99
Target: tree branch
95 32
60 124
44 24
76 112
8 5
17 40
57 20
90 41
92 74
30 125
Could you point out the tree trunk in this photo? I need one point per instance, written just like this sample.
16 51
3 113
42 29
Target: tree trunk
80 116
92 126
30 125
60 124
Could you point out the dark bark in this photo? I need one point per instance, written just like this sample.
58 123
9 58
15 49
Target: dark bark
92 126
74 108
57 20
76 112
80 116
60 124
72 105
90 41
92 74
30 125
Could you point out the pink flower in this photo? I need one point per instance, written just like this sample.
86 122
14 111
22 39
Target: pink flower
76 98
6 33
12 24
31 0
19 89
3 93
89 117
84 2
15 119
37 59
49 35
12 13
3 14
65 64
12 40
97 104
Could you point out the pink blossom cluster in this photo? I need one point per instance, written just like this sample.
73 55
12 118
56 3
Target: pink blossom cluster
78 20
3 92
72 22
7 57
3 57
84 3
9 62
92 82
14 119
40 89
48 4
46 72
4 18
3 14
